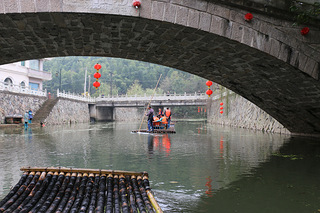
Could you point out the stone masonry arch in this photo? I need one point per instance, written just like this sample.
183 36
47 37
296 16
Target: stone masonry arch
266 60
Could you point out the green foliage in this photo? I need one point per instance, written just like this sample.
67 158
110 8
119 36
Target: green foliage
305 12
126 76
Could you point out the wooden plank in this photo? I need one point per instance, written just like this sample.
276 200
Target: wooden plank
82 170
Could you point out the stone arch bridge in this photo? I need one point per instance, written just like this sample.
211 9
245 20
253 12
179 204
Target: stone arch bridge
265 60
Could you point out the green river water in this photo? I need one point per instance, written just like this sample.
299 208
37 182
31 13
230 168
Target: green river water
201 168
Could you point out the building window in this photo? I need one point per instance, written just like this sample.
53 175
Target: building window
23 85
35 64
23 63
8 81
34 86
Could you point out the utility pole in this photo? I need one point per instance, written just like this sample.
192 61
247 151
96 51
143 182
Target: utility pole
111 84
89 85
85 83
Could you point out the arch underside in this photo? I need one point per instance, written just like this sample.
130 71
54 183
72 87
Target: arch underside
287 94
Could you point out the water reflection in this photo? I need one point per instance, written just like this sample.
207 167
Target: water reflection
185 168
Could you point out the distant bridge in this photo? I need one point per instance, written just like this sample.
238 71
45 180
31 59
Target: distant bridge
194 99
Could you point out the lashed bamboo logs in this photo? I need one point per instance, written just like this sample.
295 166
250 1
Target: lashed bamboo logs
73 194
15 188
93 199
64 190
13 199
67 193
46 193
138 196
39 193
123 194
101 195
133 206
109 204
78 201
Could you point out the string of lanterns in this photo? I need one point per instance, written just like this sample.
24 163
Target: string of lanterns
209 91
97 75
221 108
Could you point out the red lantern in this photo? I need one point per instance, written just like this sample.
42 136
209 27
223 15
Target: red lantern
221 104
305 31
209 92
221 108
97 66
136 4
198 109
209 83
96 84
248 17
97 75
221 112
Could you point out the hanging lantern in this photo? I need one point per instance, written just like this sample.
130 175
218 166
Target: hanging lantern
209 83
136 4
221 108
96 84
221 112
97 75
209 92
198 109
248 17
305 31
97 66
221 104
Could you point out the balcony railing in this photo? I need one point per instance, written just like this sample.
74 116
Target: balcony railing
21 89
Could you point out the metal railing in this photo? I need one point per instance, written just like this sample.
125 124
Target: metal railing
4 86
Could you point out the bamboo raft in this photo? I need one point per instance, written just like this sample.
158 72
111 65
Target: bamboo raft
61 190
171 129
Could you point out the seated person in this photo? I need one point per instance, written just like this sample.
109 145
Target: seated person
156 123
164 121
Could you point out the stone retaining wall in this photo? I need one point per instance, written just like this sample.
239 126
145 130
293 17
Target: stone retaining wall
240 112
69 111
13 104
128 113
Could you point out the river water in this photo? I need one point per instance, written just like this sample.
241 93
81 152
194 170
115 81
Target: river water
201 168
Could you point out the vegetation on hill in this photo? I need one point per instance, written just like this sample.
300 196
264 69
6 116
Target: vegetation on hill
125 76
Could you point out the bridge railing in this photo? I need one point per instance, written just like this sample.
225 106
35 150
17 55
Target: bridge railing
74 96
146 97
4 86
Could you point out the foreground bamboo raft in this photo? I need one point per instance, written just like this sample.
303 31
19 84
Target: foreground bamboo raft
63 190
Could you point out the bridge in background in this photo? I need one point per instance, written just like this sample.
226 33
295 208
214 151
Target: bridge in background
265 60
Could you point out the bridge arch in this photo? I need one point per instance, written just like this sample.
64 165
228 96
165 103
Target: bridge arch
266 60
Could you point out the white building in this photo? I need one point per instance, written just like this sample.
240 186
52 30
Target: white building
26 75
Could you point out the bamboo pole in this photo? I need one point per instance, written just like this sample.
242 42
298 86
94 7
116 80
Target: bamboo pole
101 195
149 103
133 206
73 194
53 193
150 196
144 195
123 194
116 194
60 194
80 195
46 193
109 204
15 205
88 192
94 193
39 193
81 170
32 193
21 190
67 193
15 188
138 196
